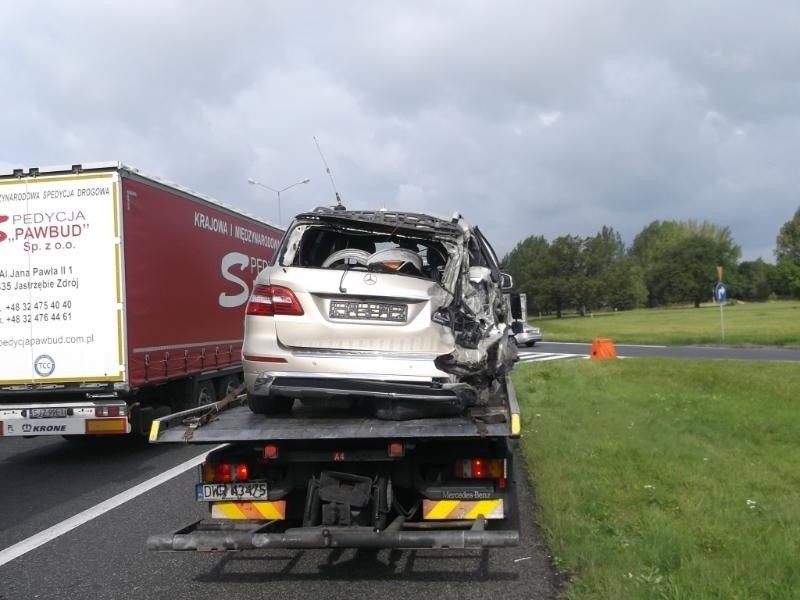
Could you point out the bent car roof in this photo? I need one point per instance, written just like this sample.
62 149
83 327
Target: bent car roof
388 221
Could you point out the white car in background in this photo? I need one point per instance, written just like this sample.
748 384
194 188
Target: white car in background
401 314
526 336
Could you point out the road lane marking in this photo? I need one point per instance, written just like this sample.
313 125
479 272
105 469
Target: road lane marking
51 533
561 356
639 346
542 356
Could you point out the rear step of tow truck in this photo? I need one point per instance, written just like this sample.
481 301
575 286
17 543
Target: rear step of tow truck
205 536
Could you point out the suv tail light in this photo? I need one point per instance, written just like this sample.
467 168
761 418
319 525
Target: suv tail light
271 300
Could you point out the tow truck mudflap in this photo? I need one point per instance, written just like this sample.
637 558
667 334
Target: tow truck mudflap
203 536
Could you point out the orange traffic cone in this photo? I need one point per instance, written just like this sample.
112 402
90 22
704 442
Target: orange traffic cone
602 348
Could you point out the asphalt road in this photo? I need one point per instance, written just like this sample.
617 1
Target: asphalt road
48 481
75 517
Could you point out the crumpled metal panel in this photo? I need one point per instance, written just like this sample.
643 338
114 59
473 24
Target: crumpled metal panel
479 320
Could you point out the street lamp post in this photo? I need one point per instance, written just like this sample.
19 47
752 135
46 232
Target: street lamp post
278 192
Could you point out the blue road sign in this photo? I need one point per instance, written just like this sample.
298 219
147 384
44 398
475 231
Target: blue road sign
721 293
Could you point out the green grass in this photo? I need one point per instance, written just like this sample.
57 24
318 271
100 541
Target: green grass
768 323
666 479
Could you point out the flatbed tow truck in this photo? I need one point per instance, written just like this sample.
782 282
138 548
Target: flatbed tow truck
336 478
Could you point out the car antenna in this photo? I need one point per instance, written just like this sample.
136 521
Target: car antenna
339 205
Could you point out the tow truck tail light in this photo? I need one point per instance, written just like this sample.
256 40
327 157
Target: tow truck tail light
108 411
225 472
270 451
480 468
271 300
396 449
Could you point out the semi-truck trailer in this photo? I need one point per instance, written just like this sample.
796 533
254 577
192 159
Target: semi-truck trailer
122 298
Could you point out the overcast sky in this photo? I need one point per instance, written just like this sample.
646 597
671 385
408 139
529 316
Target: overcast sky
539 117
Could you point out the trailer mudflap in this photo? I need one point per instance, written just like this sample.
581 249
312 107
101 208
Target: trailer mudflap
215 536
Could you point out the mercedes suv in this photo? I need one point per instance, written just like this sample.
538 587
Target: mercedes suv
401 314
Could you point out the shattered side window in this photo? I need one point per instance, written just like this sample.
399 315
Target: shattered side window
481 254
476 257
291 245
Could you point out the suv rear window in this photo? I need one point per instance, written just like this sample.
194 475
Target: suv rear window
321 246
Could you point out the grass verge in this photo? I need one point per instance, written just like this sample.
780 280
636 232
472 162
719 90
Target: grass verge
766 323
666 479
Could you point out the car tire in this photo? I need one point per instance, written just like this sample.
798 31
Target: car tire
267 405
226 385
531 344
513 340
204 394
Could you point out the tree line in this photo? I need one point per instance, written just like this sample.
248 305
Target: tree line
669 262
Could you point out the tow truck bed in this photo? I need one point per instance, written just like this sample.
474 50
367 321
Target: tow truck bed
229 421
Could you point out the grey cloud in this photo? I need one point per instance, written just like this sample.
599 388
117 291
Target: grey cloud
529 117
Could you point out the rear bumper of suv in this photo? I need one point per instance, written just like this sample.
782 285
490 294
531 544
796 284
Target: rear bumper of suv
400 366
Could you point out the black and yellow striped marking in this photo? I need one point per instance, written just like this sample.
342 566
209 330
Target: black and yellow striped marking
462 509
259 511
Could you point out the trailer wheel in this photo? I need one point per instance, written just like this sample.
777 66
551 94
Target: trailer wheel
267 405
227 384
204 394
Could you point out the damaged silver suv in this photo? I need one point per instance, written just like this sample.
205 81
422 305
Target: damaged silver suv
399 314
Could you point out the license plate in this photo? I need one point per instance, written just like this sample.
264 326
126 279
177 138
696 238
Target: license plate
47 413
213 492
372 311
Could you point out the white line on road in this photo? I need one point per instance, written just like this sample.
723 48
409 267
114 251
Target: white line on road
540 356
560 356
87 515
639 346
